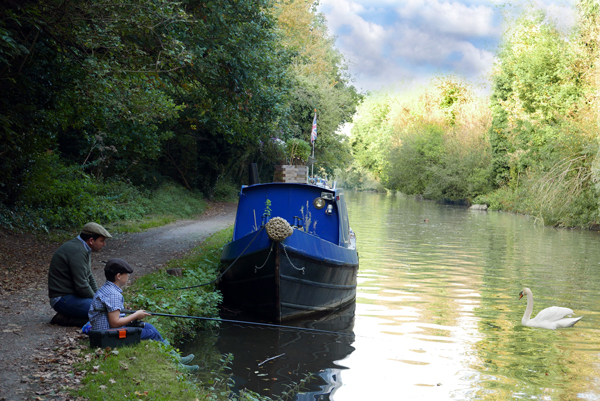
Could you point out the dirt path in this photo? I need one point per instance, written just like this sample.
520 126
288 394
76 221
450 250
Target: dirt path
26 335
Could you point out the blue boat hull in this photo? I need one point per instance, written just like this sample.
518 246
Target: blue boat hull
285 280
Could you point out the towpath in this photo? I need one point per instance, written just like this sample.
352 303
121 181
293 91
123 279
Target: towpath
27 338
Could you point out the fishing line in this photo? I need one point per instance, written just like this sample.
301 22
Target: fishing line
245 322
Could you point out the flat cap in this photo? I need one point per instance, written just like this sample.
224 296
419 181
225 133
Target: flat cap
116 265
95 228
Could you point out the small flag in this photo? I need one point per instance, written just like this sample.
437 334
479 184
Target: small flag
313 133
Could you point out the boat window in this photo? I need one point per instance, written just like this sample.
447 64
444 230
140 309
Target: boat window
343 213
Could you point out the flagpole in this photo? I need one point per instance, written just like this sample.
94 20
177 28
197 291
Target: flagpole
312 166
312 140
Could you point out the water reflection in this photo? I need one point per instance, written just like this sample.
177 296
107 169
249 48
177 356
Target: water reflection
448 286
437 312
270 360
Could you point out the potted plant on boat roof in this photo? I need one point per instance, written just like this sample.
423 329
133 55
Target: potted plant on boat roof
297 152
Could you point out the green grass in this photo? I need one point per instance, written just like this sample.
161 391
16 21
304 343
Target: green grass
225 191
143 371
164 206
199 266
146 371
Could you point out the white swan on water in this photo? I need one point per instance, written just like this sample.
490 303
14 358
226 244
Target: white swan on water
550 318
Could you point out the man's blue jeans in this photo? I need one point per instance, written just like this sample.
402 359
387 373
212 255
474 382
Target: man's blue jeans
73 306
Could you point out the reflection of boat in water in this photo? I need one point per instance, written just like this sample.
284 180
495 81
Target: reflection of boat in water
311 270
295 354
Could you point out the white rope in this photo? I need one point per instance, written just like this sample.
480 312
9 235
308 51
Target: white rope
263 265
302 269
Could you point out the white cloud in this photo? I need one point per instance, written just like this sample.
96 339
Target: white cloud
393 41
450 18
562 14
387 43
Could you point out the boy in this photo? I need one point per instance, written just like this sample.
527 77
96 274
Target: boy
105 310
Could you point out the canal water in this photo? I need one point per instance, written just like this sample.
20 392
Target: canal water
437 314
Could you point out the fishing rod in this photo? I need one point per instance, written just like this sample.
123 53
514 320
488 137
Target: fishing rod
245 322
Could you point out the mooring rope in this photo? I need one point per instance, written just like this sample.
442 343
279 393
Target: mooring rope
220 275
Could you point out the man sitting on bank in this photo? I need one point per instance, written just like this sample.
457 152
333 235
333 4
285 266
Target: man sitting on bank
71 284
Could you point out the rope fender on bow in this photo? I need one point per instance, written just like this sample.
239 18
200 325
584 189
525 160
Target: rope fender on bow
278 229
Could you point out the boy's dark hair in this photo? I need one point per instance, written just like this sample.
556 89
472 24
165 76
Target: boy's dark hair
115 266
85 237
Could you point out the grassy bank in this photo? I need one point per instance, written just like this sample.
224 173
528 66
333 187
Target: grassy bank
147 370
199 266
56 198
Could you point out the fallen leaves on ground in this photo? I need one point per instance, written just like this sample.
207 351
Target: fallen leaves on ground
24 261
55 375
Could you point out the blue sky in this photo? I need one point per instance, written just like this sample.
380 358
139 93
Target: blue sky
393 42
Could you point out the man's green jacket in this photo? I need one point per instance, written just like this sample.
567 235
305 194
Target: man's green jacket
71 272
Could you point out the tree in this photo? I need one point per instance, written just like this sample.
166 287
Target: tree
429 141
537 83
74 69
320 81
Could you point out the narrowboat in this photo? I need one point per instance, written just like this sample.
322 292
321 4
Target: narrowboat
311 268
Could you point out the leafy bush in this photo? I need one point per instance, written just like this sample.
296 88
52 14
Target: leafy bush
544 130
225 190
176 201
273 150
58 196
558 190
429 141
297 150
463 172
359 178
200 266
409 169
563 196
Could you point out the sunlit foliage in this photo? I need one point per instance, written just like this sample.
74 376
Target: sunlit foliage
533 148
321 82
428 141
544 129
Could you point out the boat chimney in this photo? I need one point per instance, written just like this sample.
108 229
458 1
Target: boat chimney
253 174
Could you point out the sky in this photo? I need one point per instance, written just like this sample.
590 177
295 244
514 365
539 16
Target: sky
391 43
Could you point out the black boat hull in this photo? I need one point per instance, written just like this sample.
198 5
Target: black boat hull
279 282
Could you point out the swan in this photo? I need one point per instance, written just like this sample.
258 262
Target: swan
550 318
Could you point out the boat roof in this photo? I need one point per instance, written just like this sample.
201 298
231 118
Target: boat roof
298 184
